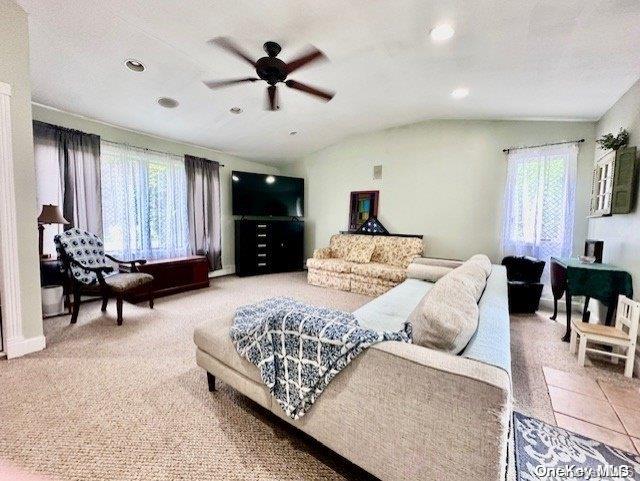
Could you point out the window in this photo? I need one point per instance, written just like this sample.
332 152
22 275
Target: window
144 203
539 202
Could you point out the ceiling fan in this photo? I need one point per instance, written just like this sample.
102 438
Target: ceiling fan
272 70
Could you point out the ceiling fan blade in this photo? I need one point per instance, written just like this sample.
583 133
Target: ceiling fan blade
272 98
216 84
311 55
323 94
230 46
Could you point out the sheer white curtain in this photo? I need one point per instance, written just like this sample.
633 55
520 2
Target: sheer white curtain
144 203
539 202
48 180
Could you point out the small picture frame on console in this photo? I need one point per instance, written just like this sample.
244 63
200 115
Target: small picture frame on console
362 206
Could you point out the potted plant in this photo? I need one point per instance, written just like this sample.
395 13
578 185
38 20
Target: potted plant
611 142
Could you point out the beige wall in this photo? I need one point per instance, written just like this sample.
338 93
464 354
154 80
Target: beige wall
443 179
621 233
14 70
115 134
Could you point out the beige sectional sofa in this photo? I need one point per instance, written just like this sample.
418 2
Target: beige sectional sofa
401 411
365 264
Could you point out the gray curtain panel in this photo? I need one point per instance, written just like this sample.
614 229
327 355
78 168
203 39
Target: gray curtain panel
203 205
79 160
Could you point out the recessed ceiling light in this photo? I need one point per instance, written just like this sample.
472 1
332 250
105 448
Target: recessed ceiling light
235 110
168 103
135 65
460 93
293 132
270 179
441 33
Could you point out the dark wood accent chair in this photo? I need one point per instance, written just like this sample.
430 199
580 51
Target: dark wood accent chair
85 263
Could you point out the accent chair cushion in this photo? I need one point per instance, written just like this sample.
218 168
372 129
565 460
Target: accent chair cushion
447 317
126 281
361 252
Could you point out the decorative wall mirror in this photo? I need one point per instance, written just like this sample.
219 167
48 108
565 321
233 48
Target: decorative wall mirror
602 185
362 206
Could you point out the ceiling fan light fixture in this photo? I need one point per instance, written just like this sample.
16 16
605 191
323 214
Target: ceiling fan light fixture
271 70
135 65
460 93
235 110
442 32
168 102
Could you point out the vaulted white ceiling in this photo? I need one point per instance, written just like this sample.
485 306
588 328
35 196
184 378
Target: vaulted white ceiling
569 59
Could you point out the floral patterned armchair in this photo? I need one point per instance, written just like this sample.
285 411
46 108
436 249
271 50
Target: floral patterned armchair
85 263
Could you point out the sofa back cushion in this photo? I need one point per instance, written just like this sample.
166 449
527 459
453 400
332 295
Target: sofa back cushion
361 252
341 244
447 317
396 251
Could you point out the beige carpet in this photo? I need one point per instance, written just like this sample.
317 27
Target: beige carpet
129 403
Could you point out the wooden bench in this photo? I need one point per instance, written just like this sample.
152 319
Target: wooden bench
174 275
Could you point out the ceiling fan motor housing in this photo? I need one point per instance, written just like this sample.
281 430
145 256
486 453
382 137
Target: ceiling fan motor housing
271 69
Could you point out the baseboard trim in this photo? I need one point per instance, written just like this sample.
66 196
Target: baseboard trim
576 306
225 271
22 347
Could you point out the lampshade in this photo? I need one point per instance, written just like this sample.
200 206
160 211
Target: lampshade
51 215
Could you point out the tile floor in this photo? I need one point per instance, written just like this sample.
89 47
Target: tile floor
600 410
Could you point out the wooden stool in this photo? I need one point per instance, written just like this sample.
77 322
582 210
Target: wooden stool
622 337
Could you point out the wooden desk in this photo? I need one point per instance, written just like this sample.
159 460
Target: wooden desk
603 282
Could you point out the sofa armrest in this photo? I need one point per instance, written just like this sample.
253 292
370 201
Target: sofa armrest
401 411
434 261
322 253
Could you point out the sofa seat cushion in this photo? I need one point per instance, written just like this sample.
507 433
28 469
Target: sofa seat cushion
332 265
213 338
374 281
380 271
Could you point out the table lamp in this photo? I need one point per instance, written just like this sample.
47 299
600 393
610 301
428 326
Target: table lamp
50 215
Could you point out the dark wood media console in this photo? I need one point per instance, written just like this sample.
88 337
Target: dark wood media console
174 275
267 246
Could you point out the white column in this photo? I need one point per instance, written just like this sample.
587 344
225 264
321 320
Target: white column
14 342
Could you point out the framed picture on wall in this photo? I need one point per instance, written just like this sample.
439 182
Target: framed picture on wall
362 205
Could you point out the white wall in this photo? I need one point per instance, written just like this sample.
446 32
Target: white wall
443 179
621 233
116 134
14 70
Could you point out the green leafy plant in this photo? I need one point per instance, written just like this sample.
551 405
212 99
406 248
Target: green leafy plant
609 141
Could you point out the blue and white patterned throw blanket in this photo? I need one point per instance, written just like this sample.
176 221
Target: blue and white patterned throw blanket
300 348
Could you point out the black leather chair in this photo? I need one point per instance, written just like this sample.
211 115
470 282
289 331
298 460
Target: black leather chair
525 289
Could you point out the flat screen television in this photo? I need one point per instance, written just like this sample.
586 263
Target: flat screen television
267 195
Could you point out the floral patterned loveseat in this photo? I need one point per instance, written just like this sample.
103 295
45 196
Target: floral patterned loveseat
365 264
